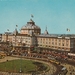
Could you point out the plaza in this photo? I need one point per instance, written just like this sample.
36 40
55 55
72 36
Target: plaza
31 44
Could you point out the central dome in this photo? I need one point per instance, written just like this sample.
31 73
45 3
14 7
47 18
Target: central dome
30 27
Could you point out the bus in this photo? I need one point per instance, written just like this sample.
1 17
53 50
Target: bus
71 55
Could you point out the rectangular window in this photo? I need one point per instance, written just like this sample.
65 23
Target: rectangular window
52 43
63 44
66 44
59 44
55 43
59 40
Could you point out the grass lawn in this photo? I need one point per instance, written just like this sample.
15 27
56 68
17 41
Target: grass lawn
26 66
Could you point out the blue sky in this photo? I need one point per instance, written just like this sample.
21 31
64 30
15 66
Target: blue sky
57 15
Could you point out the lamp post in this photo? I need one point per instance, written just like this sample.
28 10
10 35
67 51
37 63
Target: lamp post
21 58
21 65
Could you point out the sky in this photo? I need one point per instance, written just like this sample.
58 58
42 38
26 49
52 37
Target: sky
56 15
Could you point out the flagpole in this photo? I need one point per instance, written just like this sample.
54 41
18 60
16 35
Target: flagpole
16 26
32 16
67 30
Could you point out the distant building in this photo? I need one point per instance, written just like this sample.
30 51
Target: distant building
30 36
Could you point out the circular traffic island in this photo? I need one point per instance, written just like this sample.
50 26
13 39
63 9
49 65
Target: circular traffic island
23 66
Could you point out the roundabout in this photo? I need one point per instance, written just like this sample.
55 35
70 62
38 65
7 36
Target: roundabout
23 66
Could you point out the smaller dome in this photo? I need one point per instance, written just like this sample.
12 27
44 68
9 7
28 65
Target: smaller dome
46 32
15 32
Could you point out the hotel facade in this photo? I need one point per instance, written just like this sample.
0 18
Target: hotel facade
30 37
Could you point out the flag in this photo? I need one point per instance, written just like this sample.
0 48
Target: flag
16 25
32 16
7 29
68 30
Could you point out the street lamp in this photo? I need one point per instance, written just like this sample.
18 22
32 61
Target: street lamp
20 70
21 57
20 66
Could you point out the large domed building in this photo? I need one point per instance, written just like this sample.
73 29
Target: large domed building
30 28
30 37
